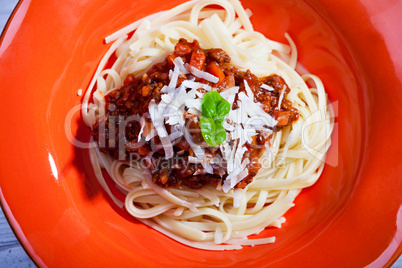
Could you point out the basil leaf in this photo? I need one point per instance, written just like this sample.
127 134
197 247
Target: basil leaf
214 109
208 127
220 134
223 107
208 108
213 96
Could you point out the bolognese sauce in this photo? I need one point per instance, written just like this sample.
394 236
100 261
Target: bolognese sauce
121 125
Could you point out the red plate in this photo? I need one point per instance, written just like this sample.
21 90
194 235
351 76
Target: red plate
351 217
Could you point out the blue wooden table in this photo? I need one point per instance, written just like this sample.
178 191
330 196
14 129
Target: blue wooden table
11 252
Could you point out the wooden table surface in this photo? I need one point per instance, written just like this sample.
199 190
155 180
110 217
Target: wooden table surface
11 252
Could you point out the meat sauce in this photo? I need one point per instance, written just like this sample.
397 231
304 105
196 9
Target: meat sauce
127 104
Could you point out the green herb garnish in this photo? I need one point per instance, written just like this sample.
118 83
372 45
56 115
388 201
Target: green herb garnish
214 109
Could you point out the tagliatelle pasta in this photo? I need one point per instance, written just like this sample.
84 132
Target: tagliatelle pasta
215 216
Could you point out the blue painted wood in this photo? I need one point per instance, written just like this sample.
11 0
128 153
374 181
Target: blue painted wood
11 252
12 255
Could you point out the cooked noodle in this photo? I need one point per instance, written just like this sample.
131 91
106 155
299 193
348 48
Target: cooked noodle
210 218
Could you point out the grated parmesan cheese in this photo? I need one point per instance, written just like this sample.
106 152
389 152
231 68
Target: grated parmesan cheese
203 75
241 124
265 86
